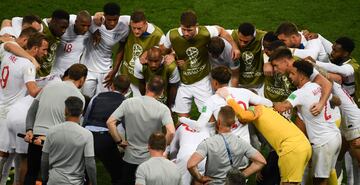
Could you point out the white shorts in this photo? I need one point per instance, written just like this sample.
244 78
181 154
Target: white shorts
350 134
4 136
94 84
324 157
16 123
200 91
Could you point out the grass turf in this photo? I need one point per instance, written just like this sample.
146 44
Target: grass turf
331 18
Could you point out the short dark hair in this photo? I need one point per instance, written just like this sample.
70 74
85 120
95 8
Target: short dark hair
216 46
346 43
35 40
28 32
276 44
74 106
270 37
222 74
157 141
60 14
287 28
227 116
138 16
29 19
121 83
279 53
246 29
111 9
156 85
188 19
77 71
235 179
304 67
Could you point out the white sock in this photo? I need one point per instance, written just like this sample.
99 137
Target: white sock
349 168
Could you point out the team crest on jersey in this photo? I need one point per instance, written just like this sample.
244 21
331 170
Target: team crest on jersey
193 53
248 58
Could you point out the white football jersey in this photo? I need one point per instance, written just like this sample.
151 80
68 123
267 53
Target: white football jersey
313 48
98 58
183 145
225 58
15 73
70 49
349 110
321 127
243 97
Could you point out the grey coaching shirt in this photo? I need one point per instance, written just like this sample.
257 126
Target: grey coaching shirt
68 144
158 171
217 162
143 116
51 110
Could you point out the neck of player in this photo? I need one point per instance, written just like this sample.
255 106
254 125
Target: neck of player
156 153
75 119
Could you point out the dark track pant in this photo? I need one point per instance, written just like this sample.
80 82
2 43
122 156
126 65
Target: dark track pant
34 162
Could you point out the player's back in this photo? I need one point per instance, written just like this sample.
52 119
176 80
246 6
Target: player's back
321 127
15 72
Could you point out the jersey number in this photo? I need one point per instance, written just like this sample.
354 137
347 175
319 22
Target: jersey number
326 116
4 76
68 48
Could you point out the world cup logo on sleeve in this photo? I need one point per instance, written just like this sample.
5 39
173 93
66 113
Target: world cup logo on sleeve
193 53
248 58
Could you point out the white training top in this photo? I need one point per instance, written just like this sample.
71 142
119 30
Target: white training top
212 30
186 140
98 58
326 44
225 58
15 73
319 128
313 48
70 49
345 70
212 107
349 110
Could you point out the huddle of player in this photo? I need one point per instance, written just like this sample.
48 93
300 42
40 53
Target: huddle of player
311 82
